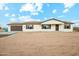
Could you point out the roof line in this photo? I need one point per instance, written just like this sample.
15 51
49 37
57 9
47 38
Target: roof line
58 20
43 21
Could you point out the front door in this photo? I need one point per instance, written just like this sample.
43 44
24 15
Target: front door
57 27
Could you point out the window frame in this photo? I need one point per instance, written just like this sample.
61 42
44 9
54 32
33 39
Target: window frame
46 25
67 26
28 26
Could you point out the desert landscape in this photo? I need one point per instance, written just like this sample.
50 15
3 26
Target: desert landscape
40 44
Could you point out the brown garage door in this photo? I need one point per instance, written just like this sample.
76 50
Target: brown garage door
16 28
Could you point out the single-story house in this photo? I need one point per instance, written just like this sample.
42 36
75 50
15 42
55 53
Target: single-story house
47 25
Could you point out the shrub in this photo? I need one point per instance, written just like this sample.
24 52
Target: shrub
5 29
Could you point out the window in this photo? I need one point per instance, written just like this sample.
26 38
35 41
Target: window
29 26
45 26
67 26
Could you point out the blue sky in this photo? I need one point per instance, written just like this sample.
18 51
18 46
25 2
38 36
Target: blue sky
21 12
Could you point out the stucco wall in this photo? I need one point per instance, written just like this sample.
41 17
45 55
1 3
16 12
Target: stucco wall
9 28
23 27
35 28
38 28
52 22
69 30
61 28
53 27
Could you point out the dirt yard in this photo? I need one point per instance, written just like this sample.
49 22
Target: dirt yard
40 44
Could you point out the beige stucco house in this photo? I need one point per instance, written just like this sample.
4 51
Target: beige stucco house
47 25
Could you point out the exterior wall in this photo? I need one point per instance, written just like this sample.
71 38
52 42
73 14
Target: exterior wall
38 28
35 28
23 28
52 28
69 30
9 28
61 28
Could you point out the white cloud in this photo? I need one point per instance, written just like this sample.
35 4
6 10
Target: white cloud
54 11
34 13
27 7
7 15
13 20
13 15
23 19
3 6
38 6
27 18
68 6
6 8
65 10
45 18
33 8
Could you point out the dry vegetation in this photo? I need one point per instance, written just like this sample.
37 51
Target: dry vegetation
76 29
40 43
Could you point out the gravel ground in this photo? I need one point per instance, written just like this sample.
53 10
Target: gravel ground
40 44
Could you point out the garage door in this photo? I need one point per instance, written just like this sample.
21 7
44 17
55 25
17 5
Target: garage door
16 28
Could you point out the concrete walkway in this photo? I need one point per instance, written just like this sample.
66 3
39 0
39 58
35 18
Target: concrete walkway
2 34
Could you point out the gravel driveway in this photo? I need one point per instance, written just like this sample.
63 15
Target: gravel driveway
3 34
